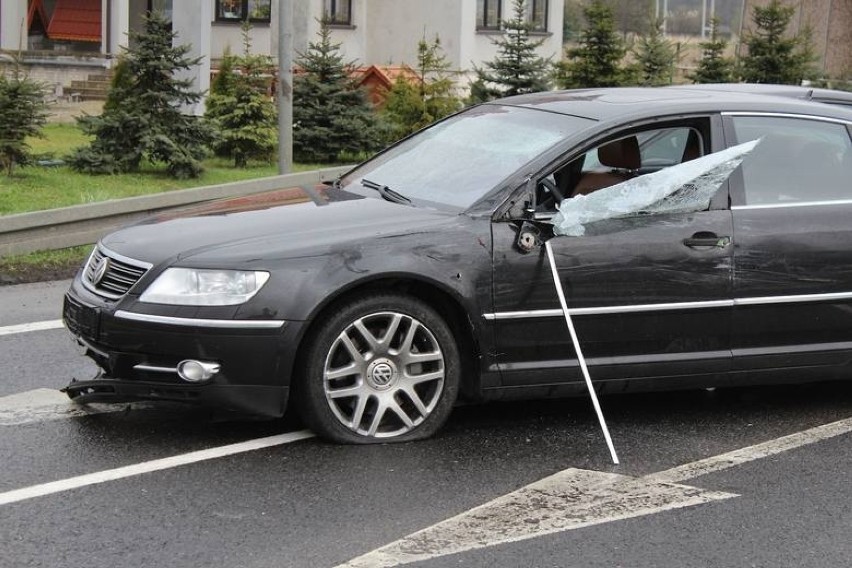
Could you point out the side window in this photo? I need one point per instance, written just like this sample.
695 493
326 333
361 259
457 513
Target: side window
619 160
798 160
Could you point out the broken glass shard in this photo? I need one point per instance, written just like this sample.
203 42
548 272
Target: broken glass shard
679 189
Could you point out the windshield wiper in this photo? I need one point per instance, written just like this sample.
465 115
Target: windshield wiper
386 192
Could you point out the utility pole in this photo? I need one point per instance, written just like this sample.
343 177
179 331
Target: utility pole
285 86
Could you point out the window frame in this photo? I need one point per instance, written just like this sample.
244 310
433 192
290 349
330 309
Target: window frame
244 11
737 179
330 9
531 7
482 18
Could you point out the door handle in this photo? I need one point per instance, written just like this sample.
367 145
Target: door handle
707 240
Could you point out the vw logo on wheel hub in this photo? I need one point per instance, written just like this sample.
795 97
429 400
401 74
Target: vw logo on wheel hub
381 373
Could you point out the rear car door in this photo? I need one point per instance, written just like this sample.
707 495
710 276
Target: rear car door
792 210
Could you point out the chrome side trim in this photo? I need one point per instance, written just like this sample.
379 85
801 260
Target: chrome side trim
802 298
787 115
604 310
198 322
788 205
152 369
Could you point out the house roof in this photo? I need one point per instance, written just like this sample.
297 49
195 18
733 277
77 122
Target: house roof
378 80
384 75
76 20
37 8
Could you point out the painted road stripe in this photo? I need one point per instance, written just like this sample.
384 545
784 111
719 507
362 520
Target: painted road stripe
27 327
571 499
150 466
751 453
42 405
575 498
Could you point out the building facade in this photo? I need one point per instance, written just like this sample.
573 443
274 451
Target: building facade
371 32
830 25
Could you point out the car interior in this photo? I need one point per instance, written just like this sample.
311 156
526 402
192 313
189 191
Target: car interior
618 160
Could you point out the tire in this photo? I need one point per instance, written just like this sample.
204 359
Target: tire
382 368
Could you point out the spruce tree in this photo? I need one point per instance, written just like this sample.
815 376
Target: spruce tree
241 108
411 106
774 56
517 69
597 61
142 119
714 67
332 119
22 114
655 56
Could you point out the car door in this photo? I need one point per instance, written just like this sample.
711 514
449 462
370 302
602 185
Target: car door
793 256
651 294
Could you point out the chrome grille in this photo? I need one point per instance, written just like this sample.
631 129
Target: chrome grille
111 275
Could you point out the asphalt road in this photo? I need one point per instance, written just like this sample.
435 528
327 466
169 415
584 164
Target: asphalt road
524 484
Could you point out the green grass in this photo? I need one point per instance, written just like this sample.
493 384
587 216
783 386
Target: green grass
36 188
43 265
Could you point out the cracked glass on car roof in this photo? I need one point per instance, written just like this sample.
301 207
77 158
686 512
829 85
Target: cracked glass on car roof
459 160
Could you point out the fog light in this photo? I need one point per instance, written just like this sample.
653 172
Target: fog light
196 371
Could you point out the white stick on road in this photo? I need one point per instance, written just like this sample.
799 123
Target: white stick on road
558 283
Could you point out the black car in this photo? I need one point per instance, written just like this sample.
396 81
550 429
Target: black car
418 277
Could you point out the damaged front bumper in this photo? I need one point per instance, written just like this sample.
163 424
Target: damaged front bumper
139 359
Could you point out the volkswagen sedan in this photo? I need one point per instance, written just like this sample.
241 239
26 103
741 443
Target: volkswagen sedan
418 278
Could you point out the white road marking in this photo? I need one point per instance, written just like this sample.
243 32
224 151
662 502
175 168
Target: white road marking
41 405
751 453
27 327
576 498
570 499
150 466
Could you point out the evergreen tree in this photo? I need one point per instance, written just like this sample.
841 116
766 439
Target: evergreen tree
517 69
714 67
241 108
773 56
22 114
409 107
655 56
332 118
142 119
596 62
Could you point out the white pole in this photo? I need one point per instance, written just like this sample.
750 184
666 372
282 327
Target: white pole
285 86
703 19
561 293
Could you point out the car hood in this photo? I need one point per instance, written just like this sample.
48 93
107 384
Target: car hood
278 222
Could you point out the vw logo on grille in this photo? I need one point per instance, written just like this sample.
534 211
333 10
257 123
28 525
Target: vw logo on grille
382 374
100 270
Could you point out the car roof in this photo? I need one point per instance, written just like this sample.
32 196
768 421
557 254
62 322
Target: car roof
622 103
806 93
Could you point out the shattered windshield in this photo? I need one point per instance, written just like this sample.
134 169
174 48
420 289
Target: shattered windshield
459 160
679 189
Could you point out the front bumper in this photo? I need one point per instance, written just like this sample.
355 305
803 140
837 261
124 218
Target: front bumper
138 357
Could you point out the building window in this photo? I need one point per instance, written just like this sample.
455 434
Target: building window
536 14
488 14
241 10
338 12
164 7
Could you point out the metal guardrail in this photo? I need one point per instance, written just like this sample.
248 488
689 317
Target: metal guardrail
85 224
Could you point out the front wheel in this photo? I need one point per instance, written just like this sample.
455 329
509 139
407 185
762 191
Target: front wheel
383 368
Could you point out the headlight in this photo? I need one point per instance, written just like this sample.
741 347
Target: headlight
197 287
